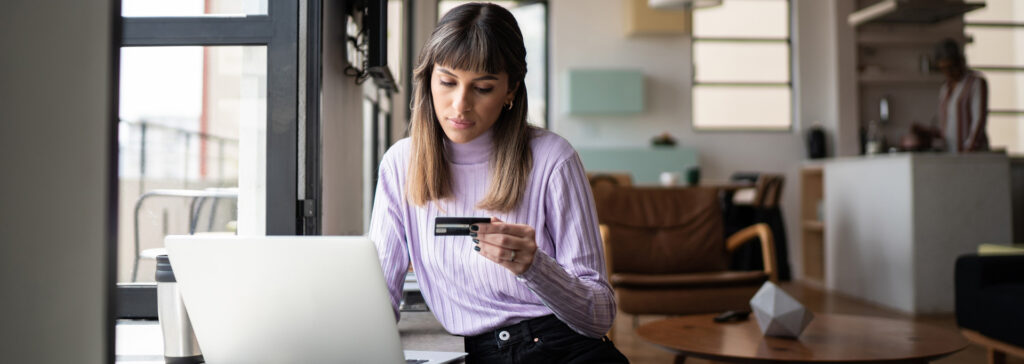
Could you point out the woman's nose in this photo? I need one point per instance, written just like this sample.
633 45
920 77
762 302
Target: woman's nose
463 100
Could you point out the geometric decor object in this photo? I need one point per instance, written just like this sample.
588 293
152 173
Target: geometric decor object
777 313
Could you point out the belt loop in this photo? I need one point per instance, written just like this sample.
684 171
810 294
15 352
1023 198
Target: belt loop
527 334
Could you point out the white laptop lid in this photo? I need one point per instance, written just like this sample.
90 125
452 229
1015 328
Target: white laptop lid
286 299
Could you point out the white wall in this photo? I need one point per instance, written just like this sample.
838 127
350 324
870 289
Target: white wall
590 34
56 181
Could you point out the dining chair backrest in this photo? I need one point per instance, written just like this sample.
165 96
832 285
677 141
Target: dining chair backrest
769 190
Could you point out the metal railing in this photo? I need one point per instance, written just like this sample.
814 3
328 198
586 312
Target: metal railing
145 150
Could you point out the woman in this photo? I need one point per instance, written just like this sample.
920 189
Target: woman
530 286
963 101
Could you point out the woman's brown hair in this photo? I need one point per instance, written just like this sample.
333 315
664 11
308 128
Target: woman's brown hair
481 38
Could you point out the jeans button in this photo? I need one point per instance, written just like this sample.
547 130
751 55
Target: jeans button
503 335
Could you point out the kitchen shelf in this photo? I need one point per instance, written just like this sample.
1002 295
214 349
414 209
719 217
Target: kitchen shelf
895 79
902 39
812 185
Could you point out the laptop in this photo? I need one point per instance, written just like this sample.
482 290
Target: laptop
289 299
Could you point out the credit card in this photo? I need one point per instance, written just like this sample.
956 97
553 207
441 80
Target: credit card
456 226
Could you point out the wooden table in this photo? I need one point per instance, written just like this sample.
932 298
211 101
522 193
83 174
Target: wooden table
829 338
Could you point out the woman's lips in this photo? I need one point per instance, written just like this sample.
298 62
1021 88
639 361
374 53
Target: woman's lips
461 123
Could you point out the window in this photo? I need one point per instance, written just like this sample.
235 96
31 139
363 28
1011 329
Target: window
207 133
186 113
742 66
532 18
997 51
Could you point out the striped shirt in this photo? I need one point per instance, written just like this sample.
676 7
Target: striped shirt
470 294
964 112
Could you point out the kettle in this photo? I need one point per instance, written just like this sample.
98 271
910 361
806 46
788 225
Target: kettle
816 142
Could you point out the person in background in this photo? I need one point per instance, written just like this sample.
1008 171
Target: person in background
963 101
530 286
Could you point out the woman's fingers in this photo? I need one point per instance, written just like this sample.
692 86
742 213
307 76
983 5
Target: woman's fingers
510 245
497 254
506 235
512 259
502 240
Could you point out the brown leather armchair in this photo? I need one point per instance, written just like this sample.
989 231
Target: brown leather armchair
667 255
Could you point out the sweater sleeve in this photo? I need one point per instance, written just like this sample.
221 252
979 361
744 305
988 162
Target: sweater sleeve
573 283
387 232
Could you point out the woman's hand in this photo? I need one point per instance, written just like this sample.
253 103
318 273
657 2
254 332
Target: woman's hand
510 245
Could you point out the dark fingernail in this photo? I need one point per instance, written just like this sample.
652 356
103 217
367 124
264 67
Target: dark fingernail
477 248
472 234
474 227
476 241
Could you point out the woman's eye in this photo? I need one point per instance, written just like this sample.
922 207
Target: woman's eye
447 84
484 90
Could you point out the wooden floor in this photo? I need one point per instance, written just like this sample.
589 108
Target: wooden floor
641 352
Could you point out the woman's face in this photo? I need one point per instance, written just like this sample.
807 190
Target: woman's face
467 103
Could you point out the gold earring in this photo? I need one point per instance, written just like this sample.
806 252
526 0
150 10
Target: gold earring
510 103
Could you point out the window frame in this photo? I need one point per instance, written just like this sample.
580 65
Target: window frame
788 41
1001 68
278 31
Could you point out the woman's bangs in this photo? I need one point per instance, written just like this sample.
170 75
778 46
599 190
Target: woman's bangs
470 51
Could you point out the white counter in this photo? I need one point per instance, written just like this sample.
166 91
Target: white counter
896 223
141 342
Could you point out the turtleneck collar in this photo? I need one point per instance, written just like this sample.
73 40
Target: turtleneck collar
475 151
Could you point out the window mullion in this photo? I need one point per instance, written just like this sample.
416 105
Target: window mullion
197 31
742 40
282 199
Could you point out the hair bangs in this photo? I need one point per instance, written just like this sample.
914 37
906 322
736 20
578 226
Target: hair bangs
471 50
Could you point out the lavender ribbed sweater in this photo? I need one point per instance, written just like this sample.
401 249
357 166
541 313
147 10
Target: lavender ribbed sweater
469 294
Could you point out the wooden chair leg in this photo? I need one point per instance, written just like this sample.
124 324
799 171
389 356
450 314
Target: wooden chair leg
996 356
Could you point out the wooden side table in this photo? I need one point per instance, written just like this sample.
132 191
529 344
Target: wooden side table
829 338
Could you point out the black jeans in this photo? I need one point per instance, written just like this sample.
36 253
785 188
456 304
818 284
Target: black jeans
540 340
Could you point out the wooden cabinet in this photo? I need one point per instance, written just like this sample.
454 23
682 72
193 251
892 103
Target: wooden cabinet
812 228
641 20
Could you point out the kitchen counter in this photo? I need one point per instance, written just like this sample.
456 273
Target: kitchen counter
897 222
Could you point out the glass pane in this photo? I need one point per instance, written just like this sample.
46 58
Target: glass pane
1007 131
741 62
743 19
396 38
192 7
995 46
531 19
1005 90
737 107
192 124
1002 11
531 23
